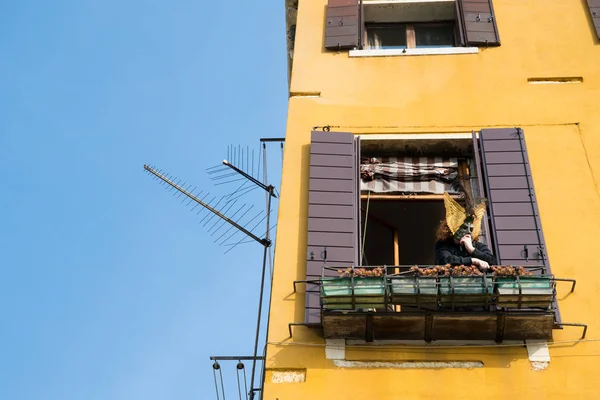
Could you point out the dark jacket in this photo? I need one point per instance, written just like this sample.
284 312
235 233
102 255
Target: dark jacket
448 252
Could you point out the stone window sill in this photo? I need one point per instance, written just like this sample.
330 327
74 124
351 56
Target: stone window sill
413 52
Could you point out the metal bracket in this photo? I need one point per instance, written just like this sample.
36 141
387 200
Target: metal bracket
369 328
301 324
304 281
584 326
500 327
574 281
428 328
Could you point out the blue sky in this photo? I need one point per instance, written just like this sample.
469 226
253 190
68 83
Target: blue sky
110 287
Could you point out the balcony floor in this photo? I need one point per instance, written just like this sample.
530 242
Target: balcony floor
436 325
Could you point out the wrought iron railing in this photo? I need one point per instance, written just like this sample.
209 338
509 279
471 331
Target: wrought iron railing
399 286
399 303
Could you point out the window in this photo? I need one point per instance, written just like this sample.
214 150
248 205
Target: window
339 214
409 25
386 36
417 35
394 25
434 35
402 203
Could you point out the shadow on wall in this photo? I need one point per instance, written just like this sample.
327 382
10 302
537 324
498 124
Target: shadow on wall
301 256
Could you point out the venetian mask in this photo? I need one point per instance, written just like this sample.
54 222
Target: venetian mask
459 222
465 229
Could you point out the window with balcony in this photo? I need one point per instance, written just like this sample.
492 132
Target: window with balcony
374 206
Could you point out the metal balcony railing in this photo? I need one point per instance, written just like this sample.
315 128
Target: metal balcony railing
393 302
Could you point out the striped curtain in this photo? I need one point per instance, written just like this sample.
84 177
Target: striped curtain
408 174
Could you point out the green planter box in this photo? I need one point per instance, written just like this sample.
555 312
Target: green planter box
536 292
413 290
469 291
336 293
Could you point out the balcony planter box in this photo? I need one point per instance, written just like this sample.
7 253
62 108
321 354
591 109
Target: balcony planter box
469 291
536 291
413 290
336 293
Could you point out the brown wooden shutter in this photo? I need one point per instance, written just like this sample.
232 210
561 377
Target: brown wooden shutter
594 6
333 203
513 208
478 23
343 25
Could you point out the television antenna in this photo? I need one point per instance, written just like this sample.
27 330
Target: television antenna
237 167
226 213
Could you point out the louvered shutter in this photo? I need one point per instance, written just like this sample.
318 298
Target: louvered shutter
594 6
513 209
343 24
478 23
333 202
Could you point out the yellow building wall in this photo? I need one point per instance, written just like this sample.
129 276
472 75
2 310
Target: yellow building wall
449 94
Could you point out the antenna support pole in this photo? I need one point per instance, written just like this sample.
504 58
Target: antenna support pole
260 297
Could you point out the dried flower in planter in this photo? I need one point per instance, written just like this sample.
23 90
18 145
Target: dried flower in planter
464 270
468 270
523 272
511 271
361 272
444 270
434 271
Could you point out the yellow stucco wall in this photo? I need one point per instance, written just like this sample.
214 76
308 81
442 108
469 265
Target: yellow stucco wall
446 94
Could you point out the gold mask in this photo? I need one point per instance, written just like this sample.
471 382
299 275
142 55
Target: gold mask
456 215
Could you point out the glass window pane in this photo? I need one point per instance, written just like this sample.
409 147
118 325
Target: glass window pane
434 36
387 37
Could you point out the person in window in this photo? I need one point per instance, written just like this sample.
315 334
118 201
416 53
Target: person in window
457 236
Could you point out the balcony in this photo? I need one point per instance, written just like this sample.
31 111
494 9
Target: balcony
397 303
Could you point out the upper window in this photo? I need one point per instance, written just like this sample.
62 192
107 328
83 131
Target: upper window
434 35
401 24
409 25
417 35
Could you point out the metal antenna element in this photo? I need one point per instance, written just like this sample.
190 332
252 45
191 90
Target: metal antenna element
240 166
258 183
213 211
